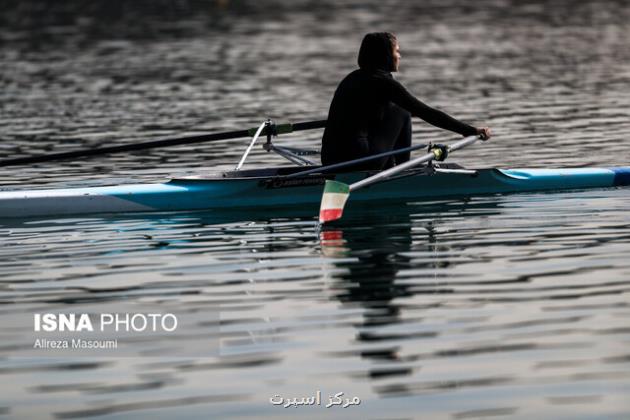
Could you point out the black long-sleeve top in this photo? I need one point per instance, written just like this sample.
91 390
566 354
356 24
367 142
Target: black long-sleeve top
358 105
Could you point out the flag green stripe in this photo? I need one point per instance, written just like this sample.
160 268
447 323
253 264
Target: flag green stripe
336 187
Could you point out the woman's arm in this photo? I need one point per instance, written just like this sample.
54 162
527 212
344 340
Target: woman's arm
397 94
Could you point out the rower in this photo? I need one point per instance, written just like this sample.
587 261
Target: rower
371 112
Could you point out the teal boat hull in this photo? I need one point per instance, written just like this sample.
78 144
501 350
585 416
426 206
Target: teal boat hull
257 189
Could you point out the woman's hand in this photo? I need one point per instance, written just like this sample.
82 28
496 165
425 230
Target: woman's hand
484 133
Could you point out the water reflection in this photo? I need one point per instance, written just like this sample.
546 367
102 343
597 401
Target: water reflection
451 300
427 301
370 253
369 279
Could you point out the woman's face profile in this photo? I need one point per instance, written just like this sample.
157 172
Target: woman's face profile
396 55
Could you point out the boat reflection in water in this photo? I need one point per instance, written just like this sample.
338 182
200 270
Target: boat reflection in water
375 253
476 297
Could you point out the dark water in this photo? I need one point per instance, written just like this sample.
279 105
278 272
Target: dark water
513 306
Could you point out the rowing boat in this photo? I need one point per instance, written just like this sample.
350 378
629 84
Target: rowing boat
418 179
272 187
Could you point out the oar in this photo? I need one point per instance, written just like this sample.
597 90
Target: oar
277 129
340 165
336 193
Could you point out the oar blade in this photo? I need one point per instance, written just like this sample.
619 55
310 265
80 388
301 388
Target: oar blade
333 201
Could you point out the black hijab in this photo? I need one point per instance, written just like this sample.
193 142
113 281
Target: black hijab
376 52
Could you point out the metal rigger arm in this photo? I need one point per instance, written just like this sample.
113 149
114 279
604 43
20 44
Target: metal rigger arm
271 129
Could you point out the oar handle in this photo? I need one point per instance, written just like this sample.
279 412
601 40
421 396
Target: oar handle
411 163
464 142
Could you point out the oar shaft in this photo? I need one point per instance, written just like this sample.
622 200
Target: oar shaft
328 168
202 138
125 148
463 143
409 164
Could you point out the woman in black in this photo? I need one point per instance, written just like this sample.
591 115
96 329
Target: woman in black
371 112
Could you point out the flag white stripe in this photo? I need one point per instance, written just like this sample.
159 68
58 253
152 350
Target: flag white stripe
333 201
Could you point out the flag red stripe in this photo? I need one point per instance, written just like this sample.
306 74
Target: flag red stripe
330 214
331 235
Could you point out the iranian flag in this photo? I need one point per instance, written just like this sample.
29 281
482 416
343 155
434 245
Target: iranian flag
333 200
